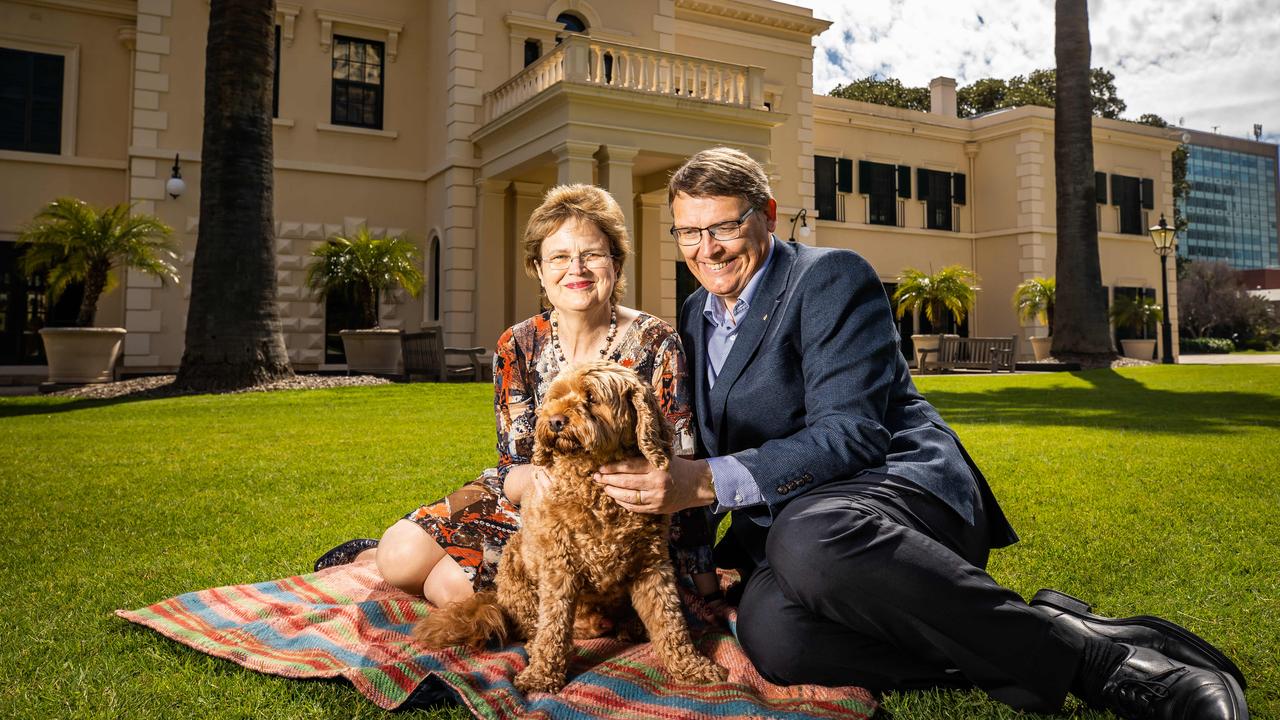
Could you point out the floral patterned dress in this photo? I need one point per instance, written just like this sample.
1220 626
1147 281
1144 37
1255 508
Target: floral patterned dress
474 523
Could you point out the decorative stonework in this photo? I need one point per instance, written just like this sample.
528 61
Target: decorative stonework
465 100
149 46
389 29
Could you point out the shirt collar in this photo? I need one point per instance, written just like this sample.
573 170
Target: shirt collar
714 310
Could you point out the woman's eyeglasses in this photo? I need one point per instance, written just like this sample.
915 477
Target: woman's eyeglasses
590 260
721 232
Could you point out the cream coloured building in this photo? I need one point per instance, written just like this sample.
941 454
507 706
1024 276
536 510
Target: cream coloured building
447 119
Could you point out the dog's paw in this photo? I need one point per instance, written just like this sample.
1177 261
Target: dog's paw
701 670
530 681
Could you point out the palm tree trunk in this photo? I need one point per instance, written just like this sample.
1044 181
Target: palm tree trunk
1081 329
95 281
234 337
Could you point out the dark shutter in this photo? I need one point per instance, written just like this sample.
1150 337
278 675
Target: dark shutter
844 175
1100 187
922 184
824 180
904 182
1148 194
1117 185
864 177
957 188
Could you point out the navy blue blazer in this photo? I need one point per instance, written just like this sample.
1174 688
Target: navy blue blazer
815 389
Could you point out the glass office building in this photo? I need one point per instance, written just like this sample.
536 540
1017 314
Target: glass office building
1231 204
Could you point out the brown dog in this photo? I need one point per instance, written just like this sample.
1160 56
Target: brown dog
579 551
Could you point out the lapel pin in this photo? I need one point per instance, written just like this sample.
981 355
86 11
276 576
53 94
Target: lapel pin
764 317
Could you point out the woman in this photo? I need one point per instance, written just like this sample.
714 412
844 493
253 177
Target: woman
575 245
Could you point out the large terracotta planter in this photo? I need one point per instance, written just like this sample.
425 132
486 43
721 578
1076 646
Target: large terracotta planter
1139 349
374 351
82 355
1042 346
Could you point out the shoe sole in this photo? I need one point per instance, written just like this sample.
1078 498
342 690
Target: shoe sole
1080 608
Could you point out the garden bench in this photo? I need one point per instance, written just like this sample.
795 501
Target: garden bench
426 355
971 353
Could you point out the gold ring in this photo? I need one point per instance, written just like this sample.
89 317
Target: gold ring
639 498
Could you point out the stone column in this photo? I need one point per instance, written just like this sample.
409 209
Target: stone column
657 258
491 260
575 162
523 299
616 165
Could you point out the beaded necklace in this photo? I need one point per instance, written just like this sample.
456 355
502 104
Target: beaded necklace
608 339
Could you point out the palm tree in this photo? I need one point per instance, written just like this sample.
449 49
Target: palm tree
362 267
71 241
951 288
1081 328
233 327
1137 314
1034 299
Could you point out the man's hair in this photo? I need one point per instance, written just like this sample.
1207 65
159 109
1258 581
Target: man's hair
722 172
584 203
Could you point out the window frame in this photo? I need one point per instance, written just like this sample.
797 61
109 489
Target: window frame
380 106
70 88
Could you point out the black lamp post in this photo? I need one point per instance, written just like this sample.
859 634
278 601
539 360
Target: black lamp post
1162 236
802 218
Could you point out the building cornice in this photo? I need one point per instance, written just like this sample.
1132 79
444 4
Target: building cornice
752 15
123 9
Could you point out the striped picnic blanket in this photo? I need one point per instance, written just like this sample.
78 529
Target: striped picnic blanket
345 622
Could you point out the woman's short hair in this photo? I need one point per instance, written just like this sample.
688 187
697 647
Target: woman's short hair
584 203
722 172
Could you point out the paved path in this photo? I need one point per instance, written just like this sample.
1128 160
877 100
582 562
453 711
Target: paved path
1231 359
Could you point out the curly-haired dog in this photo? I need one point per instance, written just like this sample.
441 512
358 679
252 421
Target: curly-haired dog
579 550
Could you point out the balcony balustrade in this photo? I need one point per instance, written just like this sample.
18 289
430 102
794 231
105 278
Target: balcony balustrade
583 60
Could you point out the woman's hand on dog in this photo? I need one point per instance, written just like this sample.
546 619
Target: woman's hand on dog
638 486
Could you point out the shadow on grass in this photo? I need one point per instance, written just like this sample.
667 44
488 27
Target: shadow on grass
23 409
1113 401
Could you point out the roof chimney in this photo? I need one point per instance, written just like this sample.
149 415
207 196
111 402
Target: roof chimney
942 96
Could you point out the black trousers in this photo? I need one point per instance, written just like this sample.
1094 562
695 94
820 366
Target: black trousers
875 582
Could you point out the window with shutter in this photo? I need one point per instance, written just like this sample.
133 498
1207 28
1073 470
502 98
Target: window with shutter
1148 193
904 182
934 188
1100 187
957 188
31 101
844 175
824 180
1126 194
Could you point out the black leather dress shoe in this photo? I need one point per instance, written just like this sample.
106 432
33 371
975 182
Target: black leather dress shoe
1149 685
345 553
1145 631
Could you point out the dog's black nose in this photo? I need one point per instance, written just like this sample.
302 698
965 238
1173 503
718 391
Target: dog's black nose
557 422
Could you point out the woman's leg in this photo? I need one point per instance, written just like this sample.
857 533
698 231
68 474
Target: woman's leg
410 559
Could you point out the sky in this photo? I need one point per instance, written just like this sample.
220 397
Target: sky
1196 63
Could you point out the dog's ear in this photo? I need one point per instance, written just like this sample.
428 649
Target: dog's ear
653 432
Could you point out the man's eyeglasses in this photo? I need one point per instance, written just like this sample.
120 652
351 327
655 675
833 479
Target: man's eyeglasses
591 260
722 232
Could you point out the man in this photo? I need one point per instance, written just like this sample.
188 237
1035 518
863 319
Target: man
859 523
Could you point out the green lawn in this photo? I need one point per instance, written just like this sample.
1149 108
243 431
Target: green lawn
1145 490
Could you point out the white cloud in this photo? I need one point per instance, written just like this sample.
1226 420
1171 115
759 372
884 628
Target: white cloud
1207 63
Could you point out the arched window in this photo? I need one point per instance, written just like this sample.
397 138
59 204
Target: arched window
436 276
571 22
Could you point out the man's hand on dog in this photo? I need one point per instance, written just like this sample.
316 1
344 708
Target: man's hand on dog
637 485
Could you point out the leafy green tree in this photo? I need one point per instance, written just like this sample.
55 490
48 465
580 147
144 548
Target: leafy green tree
886 91
1039 87
1081 324
234 338
362 267
71 241
949 289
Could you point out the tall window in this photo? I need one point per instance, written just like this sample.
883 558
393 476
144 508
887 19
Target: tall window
357 82
1131 195
883 184
30 101
939 191
275 81
532 51
437 279
831 176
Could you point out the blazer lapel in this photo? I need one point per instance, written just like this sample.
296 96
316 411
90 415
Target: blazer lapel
696 328
767 296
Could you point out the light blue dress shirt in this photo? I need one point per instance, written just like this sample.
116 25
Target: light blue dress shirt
735 487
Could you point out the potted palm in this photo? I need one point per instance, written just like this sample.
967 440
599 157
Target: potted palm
1033 300
1136 314
951 289
70 241
361 268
